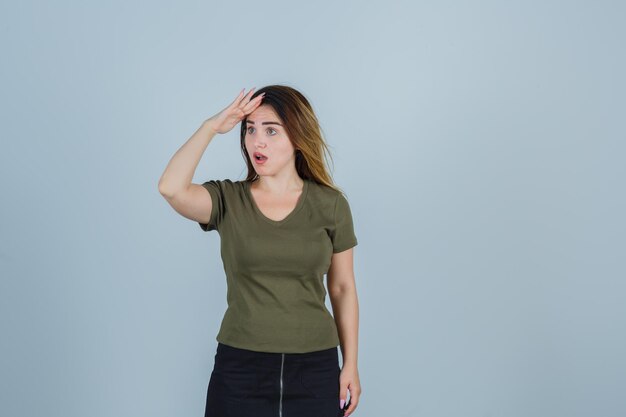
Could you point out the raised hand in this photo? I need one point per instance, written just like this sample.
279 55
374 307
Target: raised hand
226 119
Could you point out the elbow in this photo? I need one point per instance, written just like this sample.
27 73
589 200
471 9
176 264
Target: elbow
164 190
339 290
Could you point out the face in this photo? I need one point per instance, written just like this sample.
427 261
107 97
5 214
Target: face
265 134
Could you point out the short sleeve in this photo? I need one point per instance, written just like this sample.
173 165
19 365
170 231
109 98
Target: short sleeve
342 235
214 187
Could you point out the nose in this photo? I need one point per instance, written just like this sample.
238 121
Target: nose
257 141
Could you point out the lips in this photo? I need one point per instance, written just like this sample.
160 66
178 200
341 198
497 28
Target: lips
258 156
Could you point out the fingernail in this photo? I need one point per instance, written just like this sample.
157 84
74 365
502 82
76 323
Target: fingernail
341 403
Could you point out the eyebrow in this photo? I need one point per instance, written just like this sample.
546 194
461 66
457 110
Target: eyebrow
265 123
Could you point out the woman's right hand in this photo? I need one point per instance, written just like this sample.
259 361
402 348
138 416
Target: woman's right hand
225 120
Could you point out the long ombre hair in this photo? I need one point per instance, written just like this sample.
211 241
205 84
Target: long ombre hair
304 132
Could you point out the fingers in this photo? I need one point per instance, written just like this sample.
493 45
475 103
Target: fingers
352 403
343 396
241 98
246 98
244 105
237 99
253 104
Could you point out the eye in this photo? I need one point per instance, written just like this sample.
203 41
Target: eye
268 129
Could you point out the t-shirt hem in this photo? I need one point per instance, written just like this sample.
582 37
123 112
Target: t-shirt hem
275 349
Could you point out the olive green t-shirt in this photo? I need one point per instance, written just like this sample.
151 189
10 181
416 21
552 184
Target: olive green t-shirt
275 269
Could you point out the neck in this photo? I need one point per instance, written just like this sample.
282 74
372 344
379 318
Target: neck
276 185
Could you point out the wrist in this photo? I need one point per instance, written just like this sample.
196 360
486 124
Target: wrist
208 124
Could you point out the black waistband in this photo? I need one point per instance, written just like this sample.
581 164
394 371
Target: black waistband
318 354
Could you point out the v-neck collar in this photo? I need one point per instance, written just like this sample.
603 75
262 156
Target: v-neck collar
293 212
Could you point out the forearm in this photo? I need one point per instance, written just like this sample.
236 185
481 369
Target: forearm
346 312
182 166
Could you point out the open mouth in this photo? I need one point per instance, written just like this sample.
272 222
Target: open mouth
259 157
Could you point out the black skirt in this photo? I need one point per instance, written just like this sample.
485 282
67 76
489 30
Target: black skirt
246 383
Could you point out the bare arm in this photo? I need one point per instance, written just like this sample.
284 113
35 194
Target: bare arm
192 200
188 199
343 297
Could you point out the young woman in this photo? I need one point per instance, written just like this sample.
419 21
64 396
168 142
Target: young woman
281 229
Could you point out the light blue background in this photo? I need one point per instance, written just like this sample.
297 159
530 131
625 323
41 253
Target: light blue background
481 145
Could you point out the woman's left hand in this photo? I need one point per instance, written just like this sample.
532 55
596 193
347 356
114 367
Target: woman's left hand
349 380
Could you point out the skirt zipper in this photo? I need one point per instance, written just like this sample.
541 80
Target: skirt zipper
280 404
